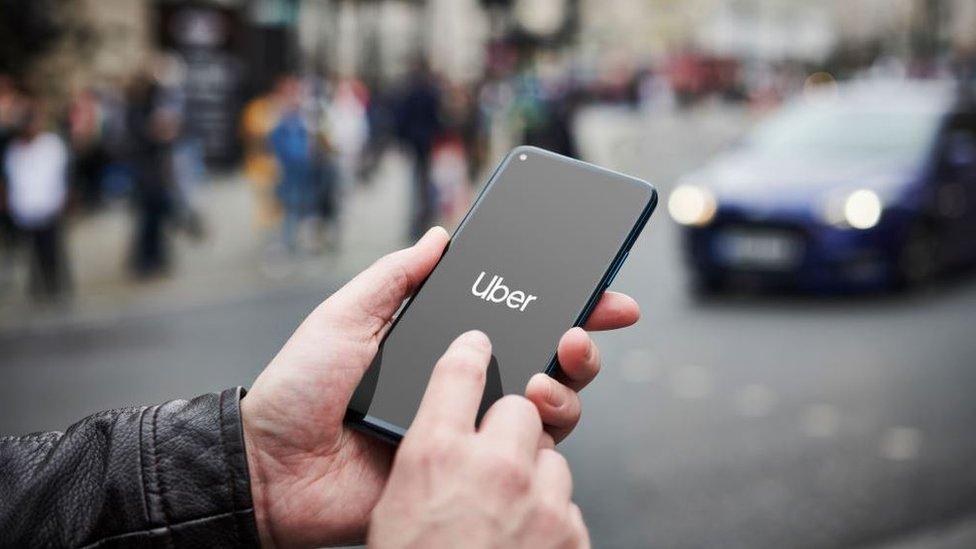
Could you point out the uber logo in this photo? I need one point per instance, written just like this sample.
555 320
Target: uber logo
496 292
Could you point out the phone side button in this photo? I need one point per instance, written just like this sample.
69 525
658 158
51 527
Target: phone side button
616 268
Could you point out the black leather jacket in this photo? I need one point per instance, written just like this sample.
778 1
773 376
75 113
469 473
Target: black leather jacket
172 475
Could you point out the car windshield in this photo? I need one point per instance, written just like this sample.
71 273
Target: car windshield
835 131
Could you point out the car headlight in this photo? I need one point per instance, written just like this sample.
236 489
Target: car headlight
860 209
692 205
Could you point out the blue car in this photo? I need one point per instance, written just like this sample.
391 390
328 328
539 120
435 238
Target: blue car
861 186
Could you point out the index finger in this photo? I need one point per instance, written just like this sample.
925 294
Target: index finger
454 391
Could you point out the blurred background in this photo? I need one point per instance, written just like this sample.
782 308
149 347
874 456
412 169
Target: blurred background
184 181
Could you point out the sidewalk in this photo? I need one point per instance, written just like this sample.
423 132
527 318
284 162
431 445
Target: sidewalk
230 263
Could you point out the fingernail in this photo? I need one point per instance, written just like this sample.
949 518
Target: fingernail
589 349
432 230
475 338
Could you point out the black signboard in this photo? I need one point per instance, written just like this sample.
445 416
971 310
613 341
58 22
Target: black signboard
205 37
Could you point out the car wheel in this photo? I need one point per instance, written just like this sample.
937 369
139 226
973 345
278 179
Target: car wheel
918 261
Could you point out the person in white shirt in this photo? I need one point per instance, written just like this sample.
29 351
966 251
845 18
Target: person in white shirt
35 165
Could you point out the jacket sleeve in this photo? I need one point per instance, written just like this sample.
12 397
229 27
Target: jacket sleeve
172 475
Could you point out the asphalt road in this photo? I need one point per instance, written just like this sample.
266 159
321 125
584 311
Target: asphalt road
741 422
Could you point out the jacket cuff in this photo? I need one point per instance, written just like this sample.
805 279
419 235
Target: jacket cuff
194 472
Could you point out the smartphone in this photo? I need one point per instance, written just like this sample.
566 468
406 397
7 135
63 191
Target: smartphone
542 241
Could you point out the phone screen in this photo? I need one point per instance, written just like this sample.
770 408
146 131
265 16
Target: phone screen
532 255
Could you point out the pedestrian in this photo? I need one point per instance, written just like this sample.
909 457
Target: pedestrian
330 186
454 152
11 114
258 119
277 466
35 165
292 142
85 124
418 123
185 160
152 130
381 121
348 125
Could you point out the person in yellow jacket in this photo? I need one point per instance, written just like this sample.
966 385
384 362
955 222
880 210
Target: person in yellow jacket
259 118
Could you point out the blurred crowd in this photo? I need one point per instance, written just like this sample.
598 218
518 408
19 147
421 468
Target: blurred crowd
309 140
102 143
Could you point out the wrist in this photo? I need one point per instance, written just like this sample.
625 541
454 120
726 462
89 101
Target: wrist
258 483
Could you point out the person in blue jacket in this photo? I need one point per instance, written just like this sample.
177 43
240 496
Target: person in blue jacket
292 142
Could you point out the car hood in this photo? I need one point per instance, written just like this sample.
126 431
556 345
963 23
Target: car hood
746 179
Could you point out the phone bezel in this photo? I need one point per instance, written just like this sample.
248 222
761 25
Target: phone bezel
394 433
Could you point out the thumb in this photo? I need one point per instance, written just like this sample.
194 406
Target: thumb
364 306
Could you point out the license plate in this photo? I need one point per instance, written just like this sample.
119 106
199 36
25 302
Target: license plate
777 250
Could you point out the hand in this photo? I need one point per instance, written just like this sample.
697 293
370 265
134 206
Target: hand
454 487
314 481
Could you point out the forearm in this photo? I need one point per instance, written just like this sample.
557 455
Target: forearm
175 473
